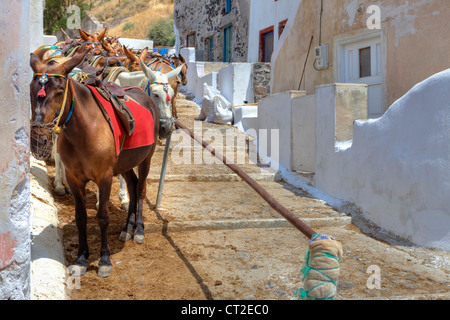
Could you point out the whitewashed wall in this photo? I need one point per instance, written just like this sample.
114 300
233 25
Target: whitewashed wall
235 83
234 80
196 74
397 167
397 170
36 26
266 13
303 134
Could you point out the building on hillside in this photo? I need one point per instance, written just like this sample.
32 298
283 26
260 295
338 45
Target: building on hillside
268 18
388 45
232 30
217 29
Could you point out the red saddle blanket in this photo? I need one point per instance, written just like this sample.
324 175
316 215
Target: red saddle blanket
143 134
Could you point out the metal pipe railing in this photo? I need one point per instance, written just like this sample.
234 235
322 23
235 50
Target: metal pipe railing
300 225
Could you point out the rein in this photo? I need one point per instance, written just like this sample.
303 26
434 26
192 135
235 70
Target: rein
55 123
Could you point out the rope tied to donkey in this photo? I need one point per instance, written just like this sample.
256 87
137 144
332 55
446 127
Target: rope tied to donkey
322 268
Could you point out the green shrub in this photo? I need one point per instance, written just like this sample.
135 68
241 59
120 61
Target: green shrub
161 32
128 26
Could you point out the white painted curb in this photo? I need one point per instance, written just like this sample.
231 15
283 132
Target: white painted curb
48 270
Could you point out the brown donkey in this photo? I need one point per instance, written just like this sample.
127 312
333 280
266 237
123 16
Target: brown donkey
89 151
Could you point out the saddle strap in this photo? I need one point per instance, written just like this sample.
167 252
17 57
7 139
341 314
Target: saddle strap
122 111
103 110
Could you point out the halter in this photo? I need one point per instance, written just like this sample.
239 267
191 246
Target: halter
130 63
43 80
165 87
92 44
162 63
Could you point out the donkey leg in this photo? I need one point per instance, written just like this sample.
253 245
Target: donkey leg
60 190
77 188
144 169
131 181
123 195
104 265
174 108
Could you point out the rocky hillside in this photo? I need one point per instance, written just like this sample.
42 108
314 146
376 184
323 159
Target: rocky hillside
130 18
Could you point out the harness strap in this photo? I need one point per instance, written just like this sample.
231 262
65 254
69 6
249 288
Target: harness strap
44 79
57 128
164 84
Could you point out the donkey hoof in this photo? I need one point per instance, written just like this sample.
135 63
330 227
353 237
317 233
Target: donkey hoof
125 236
104 271
139 238
60 191
125 205
77 270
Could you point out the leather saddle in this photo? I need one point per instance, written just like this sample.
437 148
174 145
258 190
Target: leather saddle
114 94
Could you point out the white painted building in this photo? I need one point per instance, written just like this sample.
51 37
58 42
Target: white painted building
268 18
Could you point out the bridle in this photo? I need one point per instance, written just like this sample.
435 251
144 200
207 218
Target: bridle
166 89
131 63
55 126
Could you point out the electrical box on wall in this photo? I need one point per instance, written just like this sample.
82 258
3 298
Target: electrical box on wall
322 56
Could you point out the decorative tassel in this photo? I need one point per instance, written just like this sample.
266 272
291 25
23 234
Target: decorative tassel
168 97
41 92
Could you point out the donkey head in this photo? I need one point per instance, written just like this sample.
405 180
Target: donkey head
93 42
48 91
133 61
48 86
162 94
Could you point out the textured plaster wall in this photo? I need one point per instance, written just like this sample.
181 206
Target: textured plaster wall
14 155
397 168
265 14
414 33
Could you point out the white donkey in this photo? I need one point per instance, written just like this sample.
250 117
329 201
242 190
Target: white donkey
156 84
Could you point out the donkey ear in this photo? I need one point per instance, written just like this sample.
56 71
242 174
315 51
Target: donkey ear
147 71
83 35
102 35
35 61
72 63
127 53
144 53
174 73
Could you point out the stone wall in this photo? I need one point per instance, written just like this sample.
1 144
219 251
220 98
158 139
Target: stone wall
261 80
207 19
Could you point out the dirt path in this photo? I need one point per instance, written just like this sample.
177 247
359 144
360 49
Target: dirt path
215 238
